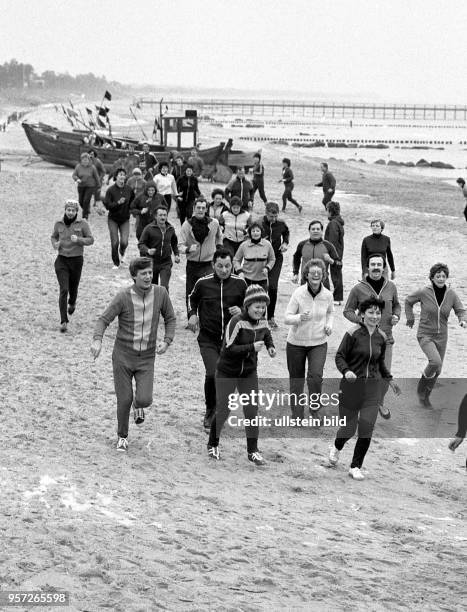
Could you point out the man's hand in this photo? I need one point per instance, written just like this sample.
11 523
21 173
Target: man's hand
350 376
393 275
395 319
271 351
193 323
161 347
151 252
235 310
121 201
74 238
193 248
328 259
295 278
177 259
327 330
305 316
266 270
283 248
454 443
258 345
96 348
410 323
56 244
144 211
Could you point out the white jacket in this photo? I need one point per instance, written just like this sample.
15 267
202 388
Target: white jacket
309 333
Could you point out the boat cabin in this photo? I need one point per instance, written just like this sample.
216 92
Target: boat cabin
180 124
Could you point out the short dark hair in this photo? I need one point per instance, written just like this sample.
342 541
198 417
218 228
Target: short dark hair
162 164
272 208
217 191
258 155
325 164
369 303
240 168
117 171
286 160
190 166
160 207
254 224
460 181
334 208
139 263
315 221
438 267
235 201
221 253
373 255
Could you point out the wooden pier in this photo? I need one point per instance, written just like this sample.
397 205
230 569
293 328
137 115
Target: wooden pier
334 110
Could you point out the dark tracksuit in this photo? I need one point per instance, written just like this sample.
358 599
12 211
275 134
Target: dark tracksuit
288 177
189 188
69 262
334 234
363 354
258 181
242 188
328 182
316 249
165 242
377 243
237 369
278 234
118 219
144 201
210 300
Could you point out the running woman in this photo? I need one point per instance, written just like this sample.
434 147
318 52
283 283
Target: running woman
246 334
287 179
436 302
138 309
376 242
118 200
69 236
255 258
258 177
360 360
88 182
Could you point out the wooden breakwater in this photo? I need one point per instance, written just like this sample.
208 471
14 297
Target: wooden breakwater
332 110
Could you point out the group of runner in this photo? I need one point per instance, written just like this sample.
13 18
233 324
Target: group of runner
233 265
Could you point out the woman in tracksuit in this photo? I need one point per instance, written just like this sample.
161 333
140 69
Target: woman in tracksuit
360 359
245 336
436 302
255 257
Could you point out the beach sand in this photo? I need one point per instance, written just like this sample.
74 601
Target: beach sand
162 527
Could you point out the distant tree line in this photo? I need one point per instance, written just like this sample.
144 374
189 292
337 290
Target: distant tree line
14 74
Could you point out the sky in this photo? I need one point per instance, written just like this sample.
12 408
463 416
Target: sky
372 50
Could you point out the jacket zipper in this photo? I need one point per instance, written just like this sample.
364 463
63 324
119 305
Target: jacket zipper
439 305
222 309
142 324
369 359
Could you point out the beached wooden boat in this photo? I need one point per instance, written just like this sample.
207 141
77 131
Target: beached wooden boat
64 148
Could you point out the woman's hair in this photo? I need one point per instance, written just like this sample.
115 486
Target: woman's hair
140 263
286 160
438 267
254 224
163 164
318 263
380 221
117 171
369 303
235 201
217 191
272 207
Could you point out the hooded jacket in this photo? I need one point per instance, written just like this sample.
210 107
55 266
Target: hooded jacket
334 233
164 241
434 318
238 357
362 291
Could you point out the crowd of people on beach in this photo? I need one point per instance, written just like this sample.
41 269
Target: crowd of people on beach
234 260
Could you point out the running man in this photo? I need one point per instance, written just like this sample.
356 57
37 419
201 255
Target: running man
138 309
328 183
214 300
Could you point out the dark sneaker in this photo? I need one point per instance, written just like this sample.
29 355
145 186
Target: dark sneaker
122 444
63 327
208 417
213 452
71 308
138 415
256 458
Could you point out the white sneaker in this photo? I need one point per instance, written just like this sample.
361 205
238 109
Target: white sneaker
123 259
122 444
333 455
356 474
114 267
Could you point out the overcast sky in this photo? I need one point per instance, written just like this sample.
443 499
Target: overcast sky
394 50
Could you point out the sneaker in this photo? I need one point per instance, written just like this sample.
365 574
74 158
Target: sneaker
272 324
334 455
123 259
71 308
213 452
300 208
63 327
115 267
208 418
122 444
337 303
356 473
138 415
256 458
384 412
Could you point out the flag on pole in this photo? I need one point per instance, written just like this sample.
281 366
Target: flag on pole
107 96
71 103
72 113
100 123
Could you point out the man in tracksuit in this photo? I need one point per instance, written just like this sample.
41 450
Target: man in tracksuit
199 238
315 248
214 300
276 231
239 186
374 284
138 309
159 241
328 183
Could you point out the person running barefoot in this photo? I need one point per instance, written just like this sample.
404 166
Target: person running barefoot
138 309
360 359
461 427
69 236
436 302
245 336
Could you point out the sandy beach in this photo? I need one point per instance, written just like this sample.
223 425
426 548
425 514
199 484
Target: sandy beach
162 527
